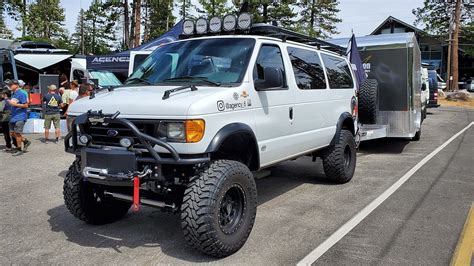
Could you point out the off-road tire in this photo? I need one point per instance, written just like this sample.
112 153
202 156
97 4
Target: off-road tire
337 167
81 200
201 208
368 101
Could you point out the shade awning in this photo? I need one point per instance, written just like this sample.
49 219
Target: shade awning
40 61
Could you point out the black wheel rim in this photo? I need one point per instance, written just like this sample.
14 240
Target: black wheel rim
347 157
231 209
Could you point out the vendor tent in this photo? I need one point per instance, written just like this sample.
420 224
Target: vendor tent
40 61
119 62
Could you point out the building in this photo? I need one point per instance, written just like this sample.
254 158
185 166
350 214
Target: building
434 51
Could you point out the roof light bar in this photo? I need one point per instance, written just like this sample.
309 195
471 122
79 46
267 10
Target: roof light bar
215 24
229 22
244 21
188 27
201 26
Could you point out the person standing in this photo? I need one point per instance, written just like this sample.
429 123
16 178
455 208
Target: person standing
19 104
51 110
68 98
5 112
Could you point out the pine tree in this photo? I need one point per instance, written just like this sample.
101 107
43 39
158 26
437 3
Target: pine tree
282 13
17 10
319 17
98 29
268 11
45 19
435 16
185 9
213 8
160 18
5 33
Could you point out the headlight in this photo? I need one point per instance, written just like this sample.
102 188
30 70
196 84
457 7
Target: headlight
190 131
175 131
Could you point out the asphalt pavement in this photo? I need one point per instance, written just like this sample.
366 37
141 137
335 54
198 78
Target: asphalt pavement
298 209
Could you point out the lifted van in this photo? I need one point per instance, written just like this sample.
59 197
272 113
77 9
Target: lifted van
189 126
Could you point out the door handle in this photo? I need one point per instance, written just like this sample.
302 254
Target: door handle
291 113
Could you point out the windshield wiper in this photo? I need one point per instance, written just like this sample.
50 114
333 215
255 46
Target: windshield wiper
168 92
138 79
191 78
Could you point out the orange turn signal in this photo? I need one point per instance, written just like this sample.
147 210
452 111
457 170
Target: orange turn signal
195 130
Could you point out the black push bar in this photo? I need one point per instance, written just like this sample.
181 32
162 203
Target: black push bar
98 116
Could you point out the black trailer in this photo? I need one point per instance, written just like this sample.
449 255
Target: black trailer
394 60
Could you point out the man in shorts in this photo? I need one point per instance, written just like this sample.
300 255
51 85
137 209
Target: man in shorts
51 110
18 117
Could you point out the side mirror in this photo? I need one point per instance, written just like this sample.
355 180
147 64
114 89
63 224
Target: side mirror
423 86
272 78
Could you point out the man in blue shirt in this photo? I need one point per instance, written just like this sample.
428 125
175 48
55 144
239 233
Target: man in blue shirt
18 117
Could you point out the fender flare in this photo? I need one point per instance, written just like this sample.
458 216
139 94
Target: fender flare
227 131
339 124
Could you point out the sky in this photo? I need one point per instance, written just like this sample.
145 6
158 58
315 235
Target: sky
361 16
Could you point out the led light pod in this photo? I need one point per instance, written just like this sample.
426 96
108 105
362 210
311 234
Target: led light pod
201 26
244 21
215 24
229 22
188 27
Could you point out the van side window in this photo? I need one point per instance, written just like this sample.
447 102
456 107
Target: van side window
269 56
309 73
339 73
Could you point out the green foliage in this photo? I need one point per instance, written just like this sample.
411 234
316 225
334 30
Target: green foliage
160 17
185 8
467 37
213 8
98 25
434 16
319 17
45 19
5 32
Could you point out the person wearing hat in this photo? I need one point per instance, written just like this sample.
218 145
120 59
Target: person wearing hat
51 109
18 116
22 84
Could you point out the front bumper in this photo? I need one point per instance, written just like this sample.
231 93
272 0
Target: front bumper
117 166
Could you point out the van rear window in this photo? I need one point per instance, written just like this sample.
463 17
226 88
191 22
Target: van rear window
338 71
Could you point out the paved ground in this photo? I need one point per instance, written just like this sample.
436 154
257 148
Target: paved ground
298 209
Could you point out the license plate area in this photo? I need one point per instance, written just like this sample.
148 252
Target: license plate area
114 161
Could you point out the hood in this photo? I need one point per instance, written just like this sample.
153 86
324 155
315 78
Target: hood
143 101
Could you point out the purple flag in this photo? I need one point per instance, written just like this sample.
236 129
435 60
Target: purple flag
354 57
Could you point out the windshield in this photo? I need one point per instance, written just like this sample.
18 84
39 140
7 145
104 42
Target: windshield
105 78
210 61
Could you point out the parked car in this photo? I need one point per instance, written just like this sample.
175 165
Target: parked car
441 83
433 86
470 84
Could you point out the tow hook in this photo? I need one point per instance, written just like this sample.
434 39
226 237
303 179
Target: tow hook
136 194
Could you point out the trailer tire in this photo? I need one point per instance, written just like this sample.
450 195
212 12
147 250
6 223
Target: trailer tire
339 160
219 208
86 201
417 136
368 101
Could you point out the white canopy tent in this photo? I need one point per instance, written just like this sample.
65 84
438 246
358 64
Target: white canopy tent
41 61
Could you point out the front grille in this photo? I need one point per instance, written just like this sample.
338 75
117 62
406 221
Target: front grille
100 136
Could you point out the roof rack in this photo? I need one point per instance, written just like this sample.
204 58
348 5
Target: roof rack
284 34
